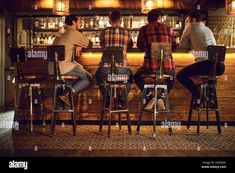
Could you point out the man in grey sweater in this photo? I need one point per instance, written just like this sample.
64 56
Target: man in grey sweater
73 40
197 37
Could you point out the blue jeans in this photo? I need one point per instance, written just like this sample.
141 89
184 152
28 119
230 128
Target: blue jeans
105 71
84 81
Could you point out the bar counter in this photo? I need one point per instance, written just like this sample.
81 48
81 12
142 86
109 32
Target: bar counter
90 101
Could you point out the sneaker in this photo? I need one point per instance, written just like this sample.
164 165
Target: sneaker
160 105
65 99
150 105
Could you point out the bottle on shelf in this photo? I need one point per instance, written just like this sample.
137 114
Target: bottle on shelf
41 39
50 40
38 39
91 23
56 23
61 23
37 23
34 38
45 39
97 38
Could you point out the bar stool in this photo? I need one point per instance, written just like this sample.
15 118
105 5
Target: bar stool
115 90
31 82
208 96
56 54
155 82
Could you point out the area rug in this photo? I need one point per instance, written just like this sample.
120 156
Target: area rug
87 137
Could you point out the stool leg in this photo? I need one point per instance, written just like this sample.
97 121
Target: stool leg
102 111
127 114
199 109
217 111
109 112
73 113
155 112
120 121
31 107
206 94
141 109
41 100
53 116
190 112
168 110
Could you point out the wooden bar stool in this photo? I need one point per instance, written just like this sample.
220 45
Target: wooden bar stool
208 97
56 54
115 91
156 82
31 82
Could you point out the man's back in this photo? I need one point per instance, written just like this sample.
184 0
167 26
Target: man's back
154 32
200 37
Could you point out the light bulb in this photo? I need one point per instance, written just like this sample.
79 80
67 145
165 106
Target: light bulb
149 4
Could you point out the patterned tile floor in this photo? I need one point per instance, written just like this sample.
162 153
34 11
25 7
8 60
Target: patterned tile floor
88 138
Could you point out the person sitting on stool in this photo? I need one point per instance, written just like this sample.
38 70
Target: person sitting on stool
155 31
114 36
198 37
72 39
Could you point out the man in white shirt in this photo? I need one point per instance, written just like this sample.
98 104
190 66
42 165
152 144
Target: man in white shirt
197 37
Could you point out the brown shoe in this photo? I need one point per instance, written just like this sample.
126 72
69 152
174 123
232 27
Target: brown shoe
65 98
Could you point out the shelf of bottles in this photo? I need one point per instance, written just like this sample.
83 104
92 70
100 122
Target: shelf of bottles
46 29
91 26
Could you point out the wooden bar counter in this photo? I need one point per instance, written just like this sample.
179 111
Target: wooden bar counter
90 101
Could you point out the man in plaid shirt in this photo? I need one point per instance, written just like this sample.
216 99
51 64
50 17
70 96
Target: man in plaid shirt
115 36
155 31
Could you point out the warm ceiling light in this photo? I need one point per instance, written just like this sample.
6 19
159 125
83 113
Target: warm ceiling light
61 7
107 4
230 7
233 4
147 5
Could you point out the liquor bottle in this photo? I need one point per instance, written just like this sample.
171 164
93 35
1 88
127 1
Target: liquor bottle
50 41
91 23
93 37
36 23
34 38
41 39
38 39
45 39
97 38
56 23
101 22
61 24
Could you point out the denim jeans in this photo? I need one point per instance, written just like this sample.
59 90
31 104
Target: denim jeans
198 68
84 81
105 71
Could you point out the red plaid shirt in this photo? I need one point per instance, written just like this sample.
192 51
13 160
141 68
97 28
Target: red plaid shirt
155 32
116 37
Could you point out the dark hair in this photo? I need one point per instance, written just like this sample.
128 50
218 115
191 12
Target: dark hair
195 15
115 15
153 15
70 18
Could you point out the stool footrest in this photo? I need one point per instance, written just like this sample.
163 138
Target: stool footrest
64 111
